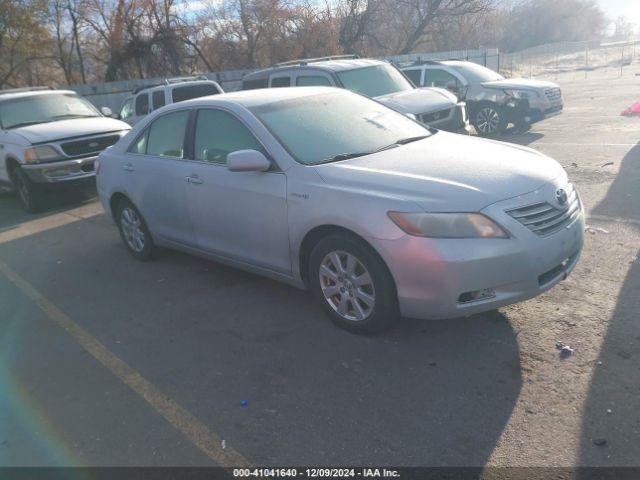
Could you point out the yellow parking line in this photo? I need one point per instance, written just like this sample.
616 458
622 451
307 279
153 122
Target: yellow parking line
207 441
49 222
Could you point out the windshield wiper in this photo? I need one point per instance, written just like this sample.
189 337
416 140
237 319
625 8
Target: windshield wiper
71 115
342 156
402 141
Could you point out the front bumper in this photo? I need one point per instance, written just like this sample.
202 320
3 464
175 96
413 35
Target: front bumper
60 172
533 110
444 278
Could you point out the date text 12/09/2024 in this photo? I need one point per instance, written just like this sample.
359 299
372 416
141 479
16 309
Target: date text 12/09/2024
315 473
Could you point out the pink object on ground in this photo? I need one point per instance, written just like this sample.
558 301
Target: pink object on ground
632 110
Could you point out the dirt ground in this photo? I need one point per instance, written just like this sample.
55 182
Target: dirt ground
106 361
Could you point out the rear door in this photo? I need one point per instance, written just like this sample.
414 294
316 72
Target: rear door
154 170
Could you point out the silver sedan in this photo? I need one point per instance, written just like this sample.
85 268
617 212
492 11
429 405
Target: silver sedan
324 189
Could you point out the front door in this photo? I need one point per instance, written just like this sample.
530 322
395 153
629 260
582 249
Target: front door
240 215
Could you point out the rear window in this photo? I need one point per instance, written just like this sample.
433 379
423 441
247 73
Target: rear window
187 92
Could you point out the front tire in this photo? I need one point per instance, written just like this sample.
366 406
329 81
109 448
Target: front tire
134 232
353 284
32 196
489 120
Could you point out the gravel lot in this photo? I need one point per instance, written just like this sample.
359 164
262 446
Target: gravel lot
485 390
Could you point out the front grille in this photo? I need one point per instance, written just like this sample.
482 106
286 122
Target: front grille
553 94
89 146
542 218
435 116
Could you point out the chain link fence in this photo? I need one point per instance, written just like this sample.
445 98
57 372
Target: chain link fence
576 57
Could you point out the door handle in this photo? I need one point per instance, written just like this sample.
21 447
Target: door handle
194 179
128 167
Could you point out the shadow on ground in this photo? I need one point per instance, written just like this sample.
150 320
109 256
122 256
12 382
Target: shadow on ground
426 393
615 384
12 213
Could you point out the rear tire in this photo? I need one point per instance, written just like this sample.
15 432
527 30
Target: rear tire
489 120
134 232
32 195
353 284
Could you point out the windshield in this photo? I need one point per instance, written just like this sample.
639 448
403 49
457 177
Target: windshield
324 127
25 111
475 73
374 81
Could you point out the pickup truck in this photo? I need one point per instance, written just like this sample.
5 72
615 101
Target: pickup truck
50 139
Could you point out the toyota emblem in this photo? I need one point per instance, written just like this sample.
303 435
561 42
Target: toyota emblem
561 196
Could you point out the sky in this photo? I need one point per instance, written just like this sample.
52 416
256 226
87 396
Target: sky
627 8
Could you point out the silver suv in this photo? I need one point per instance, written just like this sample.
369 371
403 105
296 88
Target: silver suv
145 100
493 101
376 79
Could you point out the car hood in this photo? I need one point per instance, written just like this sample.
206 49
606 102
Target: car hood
447 172
75 127
520 84
419 100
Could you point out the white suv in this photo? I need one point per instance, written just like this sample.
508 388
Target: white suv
145 100
48 138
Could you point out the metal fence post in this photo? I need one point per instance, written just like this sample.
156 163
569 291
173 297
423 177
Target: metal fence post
586 62
621 60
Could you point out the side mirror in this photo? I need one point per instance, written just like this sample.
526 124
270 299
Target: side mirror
247 161
106 111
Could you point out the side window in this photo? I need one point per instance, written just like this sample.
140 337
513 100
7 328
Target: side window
166 135
281 82
414 75
158 99
140 145
218 134
253 84
313 81
142 104
436 77
127 109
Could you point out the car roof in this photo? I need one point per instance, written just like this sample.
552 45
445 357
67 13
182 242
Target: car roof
261 96
327 65
173 85
32 93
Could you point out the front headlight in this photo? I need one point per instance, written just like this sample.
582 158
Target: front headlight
520 94
447 225
44 153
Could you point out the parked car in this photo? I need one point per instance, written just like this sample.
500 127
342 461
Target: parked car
145 100
51 138
385 217
379 80
493 101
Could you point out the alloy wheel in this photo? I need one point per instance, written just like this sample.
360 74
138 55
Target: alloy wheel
487 120
347 286
132 229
